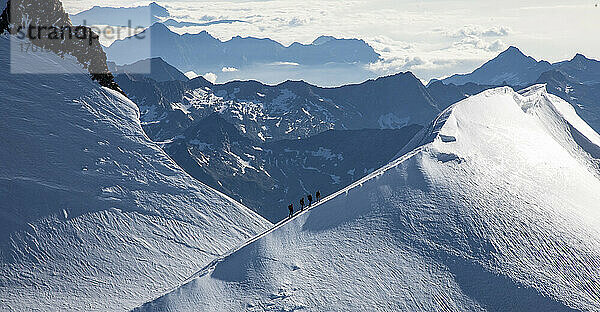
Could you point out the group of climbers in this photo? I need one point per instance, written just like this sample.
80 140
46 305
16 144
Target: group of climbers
310 200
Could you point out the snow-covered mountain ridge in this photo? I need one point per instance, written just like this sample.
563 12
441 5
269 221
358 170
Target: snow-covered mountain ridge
94 216
577 81
494 209
265 145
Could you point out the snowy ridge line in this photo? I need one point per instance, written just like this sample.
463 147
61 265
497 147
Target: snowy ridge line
466 241
210 267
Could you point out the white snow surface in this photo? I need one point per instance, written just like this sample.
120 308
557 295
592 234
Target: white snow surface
93 215
494 209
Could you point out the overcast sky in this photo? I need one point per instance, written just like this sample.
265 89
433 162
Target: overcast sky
432 38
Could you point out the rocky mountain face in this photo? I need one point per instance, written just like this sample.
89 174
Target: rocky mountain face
269 176
56 33
290 110
267 146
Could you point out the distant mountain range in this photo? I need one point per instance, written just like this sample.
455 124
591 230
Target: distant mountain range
154 68
236 137
240 58
202 52
140 16
509 67
289 110
512 67
267 146
576 81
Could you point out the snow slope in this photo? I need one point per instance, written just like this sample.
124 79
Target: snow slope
496 208
93 215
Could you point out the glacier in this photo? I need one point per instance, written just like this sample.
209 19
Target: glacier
493 207
94 216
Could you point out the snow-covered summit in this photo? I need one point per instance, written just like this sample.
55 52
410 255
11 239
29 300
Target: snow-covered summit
495 208
93 215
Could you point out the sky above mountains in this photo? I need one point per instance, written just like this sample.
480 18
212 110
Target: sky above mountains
432 38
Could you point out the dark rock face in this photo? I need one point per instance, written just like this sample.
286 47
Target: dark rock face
266 177
47 25
290 110
267 146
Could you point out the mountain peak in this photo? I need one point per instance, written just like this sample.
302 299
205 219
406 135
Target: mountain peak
323 39
579 57
422 184
158 10
511 67
159 28
512 51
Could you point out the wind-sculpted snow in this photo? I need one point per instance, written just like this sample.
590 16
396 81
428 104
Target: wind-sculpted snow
495 209
93 215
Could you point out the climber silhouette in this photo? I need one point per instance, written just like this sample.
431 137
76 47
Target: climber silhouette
318 196
309 200
302 204
291 208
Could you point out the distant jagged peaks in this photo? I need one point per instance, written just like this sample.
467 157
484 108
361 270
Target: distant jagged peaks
509 67
513 67
158 10
154 68
579 58
580 69
512 50
140 16
202 53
